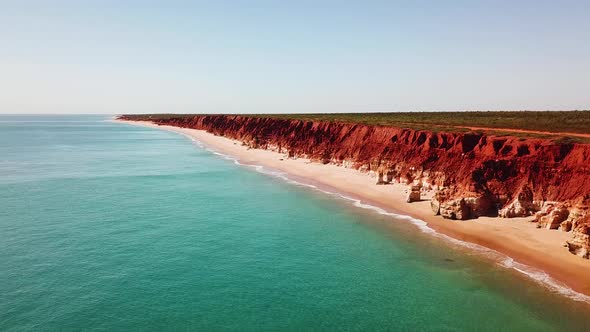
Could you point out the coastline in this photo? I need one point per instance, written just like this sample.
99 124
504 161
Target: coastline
516 237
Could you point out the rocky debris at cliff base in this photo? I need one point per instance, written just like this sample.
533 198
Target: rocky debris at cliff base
381 177
435 206
414 194
455 209
554 218
579 244
523 205
437 200
473 205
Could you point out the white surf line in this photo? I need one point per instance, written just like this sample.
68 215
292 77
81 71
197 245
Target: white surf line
539 276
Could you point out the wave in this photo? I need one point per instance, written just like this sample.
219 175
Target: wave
537 275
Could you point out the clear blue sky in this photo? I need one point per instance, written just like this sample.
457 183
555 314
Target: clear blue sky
292 56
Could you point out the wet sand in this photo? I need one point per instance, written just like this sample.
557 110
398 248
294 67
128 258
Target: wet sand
517 238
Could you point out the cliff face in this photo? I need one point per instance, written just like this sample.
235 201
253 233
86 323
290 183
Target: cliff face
474 174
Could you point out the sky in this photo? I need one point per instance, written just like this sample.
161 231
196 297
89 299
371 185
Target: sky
293 56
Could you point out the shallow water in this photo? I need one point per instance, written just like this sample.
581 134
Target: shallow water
116 227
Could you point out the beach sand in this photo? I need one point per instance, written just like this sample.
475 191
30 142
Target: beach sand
517 238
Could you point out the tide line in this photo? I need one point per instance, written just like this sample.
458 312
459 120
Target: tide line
539 276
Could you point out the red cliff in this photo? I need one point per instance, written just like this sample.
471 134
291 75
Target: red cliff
474 174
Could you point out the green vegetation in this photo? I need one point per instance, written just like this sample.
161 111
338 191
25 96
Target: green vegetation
498 122
566 121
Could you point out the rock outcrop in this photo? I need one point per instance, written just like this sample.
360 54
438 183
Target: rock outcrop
553 218
455 209
414 194
522 205
480 174
435 205
579 244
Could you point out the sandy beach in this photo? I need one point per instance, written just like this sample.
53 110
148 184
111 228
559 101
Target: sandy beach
517 238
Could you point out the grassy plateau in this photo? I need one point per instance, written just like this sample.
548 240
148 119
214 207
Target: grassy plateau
564 126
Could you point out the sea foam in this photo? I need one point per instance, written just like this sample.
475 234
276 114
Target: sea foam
539 276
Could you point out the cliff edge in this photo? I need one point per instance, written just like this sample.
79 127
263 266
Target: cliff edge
473 174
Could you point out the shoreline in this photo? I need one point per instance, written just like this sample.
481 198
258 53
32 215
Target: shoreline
516 238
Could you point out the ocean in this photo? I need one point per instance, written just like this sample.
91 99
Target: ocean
109 226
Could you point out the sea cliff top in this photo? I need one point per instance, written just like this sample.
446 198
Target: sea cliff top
567 126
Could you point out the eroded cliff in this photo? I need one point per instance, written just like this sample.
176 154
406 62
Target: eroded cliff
473 174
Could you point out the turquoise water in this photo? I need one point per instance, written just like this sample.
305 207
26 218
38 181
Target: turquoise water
114 227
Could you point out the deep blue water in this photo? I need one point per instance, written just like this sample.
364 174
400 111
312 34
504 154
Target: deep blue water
109 226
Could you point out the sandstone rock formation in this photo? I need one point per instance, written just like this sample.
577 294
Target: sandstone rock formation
435 205
521 206
553 218
580 242
455 209
414 193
